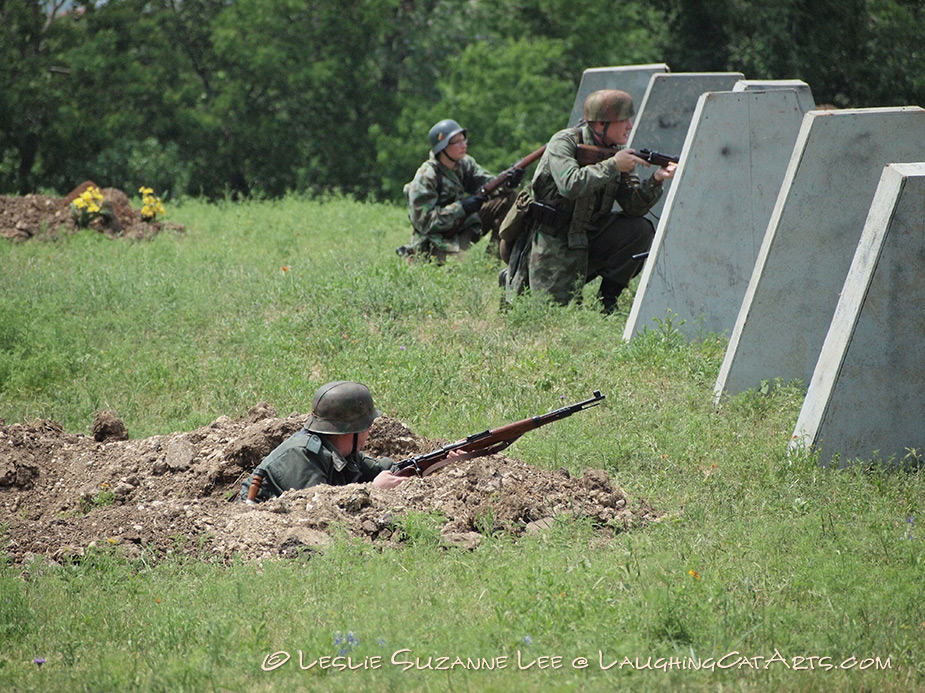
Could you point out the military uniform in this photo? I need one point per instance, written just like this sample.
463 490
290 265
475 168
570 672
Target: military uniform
574 235
306 459
310 457
440 225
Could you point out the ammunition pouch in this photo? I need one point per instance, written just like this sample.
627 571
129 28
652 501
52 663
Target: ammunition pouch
547 215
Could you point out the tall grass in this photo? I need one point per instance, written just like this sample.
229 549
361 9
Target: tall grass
760 553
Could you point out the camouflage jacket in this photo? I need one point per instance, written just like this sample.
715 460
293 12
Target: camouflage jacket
434 203
589 191
306 459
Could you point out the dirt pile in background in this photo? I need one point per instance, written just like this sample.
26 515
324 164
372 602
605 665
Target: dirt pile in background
44 217
61 493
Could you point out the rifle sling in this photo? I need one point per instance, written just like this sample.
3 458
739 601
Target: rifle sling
497 447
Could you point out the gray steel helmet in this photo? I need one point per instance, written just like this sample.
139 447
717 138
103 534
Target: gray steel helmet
441 134
342 407
606 105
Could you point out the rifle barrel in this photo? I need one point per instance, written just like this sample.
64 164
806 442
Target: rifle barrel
491 440
657 158
498 180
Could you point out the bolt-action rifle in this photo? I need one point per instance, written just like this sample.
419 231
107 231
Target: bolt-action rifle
487 442
590 154
501 178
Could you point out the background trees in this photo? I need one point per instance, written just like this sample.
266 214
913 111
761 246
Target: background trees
248 97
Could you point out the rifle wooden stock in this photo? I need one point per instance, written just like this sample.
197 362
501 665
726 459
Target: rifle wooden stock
488 442
498 180
590 154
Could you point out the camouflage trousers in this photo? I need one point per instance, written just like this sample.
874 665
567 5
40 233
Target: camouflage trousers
490 216
546 264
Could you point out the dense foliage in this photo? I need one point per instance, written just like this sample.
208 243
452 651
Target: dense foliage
256 98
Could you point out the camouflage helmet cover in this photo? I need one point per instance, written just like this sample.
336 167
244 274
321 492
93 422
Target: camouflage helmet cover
342 407
441 134
606 105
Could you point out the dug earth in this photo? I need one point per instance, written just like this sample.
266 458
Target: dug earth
43 217
63 494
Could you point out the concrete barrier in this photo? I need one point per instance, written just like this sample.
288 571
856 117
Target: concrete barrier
664 116
804 93
717 210
867 393
811 238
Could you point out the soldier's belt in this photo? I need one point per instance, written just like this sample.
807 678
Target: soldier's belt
547 215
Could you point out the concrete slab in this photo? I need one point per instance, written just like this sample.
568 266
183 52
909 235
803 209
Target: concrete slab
811 239
717 210
633 79
867 394
664 116
804 93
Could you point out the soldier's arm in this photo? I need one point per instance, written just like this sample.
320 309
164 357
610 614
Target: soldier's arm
427 216
370 467
474 175
573 181
293 469
637 197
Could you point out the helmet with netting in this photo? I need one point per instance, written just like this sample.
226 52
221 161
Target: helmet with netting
606 105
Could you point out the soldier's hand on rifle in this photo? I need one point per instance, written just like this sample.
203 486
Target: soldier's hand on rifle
385 479
514 176
473 203
627 160
665 172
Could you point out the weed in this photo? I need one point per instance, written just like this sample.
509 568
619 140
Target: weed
102 498
416 528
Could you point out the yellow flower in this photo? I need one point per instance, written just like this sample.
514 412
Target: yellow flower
151 205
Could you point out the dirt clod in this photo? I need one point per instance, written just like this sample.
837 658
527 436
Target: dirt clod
107 426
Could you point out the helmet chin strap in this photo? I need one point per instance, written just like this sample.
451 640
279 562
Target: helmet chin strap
602 136
455 161
356 437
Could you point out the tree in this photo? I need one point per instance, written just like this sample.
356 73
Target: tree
27 74
258 97
852 53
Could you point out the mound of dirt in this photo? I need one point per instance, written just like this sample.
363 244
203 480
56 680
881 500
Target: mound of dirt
44 217
178 494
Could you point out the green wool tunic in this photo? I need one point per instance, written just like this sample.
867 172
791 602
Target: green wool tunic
307 459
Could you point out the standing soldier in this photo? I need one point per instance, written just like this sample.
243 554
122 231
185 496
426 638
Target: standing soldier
447 212
573 235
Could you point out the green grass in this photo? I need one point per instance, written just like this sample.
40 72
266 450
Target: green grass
760 553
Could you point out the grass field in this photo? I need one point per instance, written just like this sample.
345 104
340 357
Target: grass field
768 572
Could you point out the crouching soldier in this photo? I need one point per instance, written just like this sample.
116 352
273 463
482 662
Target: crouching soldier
328 449
447 211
